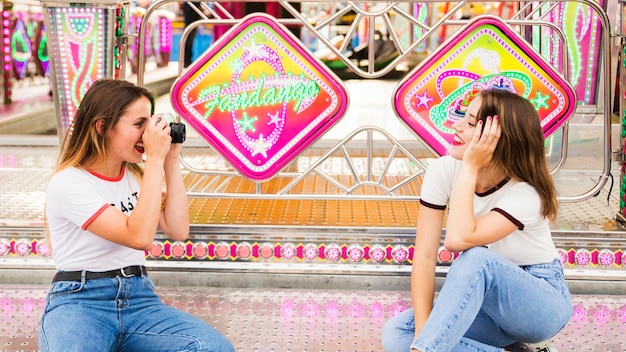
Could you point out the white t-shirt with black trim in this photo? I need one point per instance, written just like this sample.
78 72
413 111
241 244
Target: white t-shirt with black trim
518 201
74 198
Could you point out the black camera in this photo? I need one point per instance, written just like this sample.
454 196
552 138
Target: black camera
178 131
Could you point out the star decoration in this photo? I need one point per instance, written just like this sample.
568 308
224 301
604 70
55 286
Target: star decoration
260 146
424 100
540 101
274 119
247 123
236 65
254 50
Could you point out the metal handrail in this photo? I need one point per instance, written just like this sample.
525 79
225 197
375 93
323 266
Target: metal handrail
521 17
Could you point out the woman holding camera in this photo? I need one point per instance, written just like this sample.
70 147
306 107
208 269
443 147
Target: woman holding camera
102 212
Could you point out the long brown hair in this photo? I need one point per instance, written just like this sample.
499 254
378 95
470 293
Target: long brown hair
521 150
106 100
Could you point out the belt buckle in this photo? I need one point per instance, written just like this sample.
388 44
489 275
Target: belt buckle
124 274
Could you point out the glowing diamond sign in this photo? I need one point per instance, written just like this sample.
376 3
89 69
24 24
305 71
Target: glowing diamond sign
259 97
486 53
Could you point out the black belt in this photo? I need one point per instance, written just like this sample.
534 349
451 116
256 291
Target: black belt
129 271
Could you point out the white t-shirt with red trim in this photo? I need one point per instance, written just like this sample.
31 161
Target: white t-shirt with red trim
518 201
74 198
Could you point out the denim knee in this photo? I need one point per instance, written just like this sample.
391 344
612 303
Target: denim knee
475 254
474 257
388 334
398 332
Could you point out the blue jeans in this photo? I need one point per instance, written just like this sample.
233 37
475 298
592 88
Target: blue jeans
120 314
486 303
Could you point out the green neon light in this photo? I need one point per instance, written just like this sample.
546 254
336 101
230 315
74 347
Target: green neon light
261 96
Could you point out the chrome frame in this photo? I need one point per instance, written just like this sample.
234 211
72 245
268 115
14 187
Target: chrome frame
522 17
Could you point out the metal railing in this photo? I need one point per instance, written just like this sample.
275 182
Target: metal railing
523 15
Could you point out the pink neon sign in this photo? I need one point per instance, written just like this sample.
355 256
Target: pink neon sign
486 52
21 48
259 97
77 37
583 33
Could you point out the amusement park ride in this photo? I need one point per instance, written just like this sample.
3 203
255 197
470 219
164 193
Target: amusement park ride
292 181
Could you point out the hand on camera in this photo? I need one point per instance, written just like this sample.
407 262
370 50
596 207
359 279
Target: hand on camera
156 137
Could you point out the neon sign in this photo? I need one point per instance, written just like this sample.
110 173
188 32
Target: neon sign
42 59
76 35
81 39
583 31
21 49
259 97
486 53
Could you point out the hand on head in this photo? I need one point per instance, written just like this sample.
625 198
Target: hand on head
484 142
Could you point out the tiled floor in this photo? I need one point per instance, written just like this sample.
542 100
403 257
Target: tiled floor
308 320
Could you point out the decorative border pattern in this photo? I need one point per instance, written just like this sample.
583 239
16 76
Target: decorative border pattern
332 252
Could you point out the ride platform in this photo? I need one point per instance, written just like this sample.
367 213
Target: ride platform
277 267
